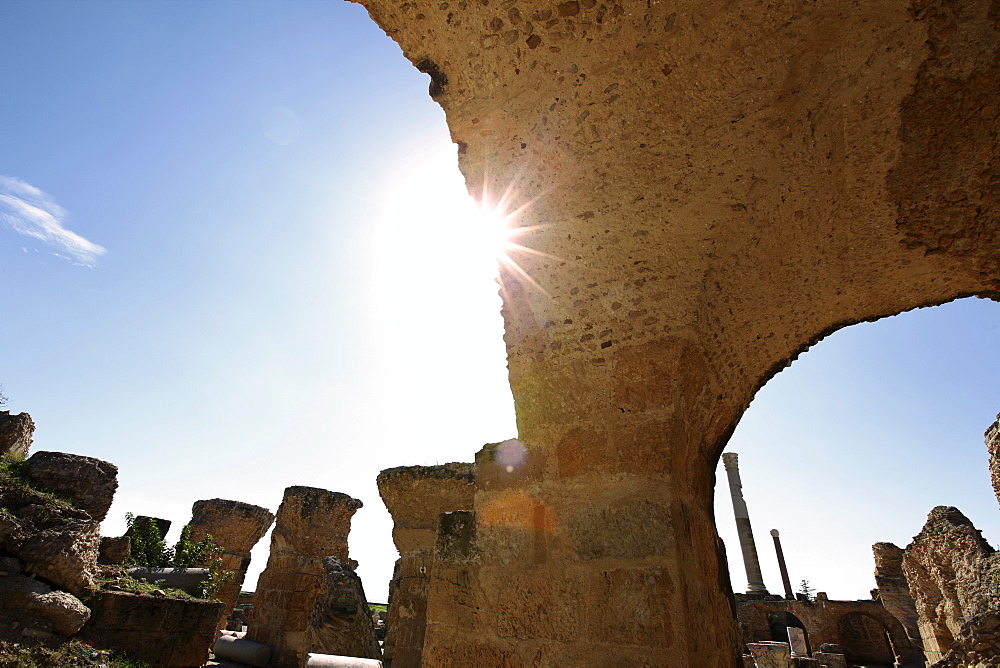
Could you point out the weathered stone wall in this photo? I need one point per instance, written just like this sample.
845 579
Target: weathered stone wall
235 527
714 187
311 523
893 590
415 497
341 623
858 627
953 575
159 631
15 433
993 447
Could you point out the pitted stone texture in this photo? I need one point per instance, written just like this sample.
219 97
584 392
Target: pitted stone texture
341 623
236 527
893 590
88 482
415 497
977 645
65 555
993 447
311 523
35 605
114 550
15 433
714 187
954 575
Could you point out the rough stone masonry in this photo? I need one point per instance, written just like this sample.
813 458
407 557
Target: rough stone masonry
714 187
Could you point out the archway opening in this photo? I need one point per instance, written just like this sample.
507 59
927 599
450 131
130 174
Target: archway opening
865 640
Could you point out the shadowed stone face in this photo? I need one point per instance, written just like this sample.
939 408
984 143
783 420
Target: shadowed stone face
311 524
714 188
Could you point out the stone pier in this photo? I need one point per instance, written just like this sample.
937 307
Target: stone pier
235 527
415 497
311 523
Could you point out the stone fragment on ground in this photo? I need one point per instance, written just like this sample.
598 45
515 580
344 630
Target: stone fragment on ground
37 606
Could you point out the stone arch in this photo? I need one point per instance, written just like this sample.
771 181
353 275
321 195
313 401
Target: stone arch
865 639
780 620
711 196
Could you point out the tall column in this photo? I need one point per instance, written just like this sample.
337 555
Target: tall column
781 566
748 547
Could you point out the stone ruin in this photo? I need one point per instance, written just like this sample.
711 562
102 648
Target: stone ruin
59 576
954 578
713 189
993 448
308 598
416 496
235 527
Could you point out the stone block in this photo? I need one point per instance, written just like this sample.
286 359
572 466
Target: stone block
35 604
15 433
88 482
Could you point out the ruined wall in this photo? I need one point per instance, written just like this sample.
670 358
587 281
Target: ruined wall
993 447
311 523
893 590
415 497
713 188
953 574
235 527
852 625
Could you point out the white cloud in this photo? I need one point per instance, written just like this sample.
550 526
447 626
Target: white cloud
31 212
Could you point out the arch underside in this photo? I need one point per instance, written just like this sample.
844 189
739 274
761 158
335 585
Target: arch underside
713 188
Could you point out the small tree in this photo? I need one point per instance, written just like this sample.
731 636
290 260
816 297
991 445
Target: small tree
3 398
148 549
806 590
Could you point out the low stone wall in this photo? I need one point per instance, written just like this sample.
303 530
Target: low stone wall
159 631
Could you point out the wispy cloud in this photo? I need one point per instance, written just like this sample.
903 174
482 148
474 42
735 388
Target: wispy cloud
31 212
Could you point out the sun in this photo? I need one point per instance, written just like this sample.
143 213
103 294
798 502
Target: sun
497 224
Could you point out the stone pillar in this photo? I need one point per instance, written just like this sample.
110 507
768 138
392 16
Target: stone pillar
235 527
993 447
416 496
747 545
15 433
893 590
311 524
789 594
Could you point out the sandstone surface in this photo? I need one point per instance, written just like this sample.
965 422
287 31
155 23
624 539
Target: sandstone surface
713 188
993 447
235 527
15 433
894 591
415 497
954 576
88 482
311 523
341 623
35 605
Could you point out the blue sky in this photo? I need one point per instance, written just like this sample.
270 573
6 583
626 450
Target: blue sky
275 280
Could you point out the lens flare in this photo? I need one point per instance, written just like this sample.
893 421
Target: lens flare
511 455
498 227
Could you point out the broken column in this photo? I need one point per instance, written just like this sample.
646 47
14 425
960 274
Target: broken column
747 545
415 497
341 622
893 591
311 524
781 565
235 527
